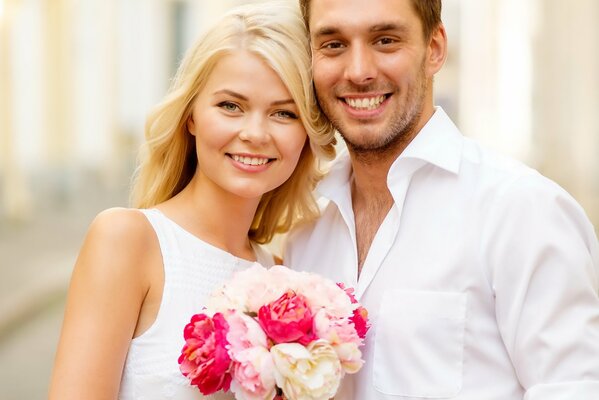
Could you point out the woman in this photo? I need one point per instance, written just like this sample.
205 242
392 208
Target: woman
229 160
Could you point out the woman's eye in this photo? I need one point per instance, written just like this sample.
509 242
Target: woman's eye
228 106
285 114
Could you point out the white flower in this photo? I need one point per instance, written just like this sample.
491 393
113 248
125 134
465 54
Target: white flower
307 373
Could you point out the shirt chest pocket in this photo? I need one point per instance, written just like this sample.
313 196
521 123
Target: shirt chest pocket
419 344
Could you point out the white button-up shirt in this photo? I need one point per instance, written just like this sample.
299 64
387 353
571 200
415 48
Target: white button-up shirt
481 283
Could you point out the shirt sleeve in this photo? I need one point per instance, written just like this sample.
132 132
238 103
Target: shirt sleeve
543 263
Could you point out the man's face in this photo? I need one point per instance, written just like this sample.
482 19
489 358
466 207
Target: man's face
370 70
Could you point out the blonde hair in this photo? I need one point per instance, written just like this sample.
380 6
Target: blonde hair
167 161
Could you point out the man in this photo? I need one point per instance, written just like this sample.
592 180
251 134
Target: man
480 275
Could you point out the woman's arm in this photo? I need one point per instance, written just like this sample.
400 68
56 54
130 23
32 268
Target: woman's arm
106 292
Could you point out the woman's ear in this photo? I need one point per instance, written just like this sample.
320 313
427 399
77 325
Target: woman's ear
191 126
437 50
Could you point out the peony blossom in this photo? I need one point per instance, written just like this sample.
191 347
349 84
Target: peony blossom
253 375
307 373
287 319
278 281
244 332
204 358
360 314
324 293
360 320
342 335
272 334
252 288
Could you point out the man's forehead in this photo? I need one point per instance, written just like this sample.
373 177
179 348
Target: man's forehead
338 16
346 12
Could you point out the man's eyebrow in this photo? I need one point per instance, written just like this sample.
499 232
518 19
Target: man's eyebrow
383 27
326 31
389 26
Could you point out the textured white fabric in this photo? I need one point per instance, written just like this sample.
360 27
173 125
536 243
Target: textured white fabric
481 282
192 270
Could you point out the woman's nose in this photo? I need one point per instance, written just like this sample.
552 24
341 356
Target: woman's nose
255 130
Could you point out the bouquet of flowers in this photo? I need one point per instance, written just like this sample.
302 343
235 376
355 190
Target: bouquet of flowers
269 332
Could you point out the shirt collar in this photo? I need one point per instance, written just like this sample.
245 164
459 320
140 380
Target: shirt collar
438 143
335 185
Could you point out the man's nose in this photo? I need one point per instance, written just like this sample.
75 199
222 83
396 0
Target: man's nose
361 68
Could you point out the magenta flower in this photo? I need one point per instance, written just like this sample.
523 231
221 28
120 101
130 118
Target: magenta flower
360 320
360 315
287 319
204 358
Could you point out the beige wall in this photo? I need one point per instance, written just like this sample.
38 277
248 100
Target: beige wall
77 78
523 80
519 78
566 98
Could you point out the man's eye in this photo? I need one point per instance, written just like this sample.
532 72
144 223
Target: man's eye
385 40
228 106
332 45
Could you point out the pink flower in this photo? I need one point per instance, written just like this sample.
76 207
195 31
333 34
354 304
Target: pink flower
204 358
287 319
335 330
251 288
269 331
349 292
324 293
253 375
360 320
253 367
342 335
244 332
360 314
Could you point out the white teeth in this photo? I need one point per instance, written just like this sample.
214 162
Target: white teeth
249 160
368 103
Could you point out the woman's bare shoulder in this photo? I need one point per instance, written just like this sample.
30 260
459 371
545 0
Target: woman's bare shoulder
119 237
121 223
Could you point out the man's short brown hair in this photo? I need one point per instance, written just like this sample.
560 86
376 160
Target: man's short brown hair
429 12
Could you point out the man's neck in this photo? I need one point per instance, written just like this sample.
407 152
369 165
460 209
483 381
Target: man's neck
369 180
371 201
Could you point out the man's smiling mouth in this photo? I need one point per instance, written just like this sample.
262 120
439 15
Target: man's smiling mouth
364 103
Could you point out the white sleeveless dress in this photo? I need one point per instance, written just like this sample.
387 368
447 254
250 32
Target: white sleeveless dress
192 270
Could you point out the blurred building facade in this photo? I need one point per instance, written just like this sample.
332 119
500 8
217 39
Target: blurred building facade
78 77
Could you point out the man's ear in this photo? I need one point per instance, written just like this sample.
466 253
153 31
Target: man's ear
437 50
191 125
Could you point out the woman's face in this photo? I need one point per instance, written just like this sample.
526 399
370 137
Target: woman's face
247 128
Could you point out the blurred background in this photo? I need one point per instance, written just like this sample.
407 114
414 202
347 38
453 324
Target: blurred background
77 78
